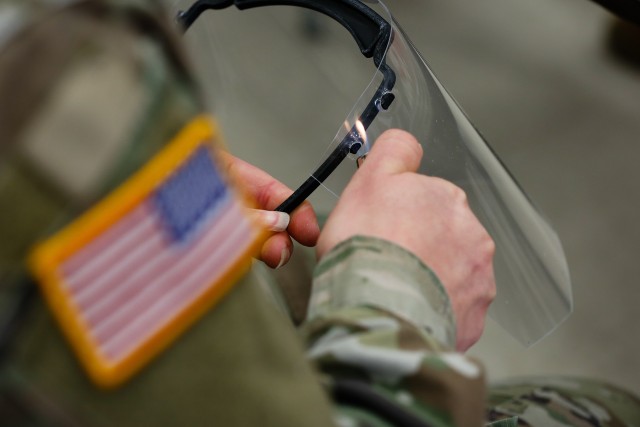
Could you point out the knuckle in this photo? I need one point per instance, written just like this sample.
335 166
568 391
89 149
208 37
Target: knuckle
459 195
483 267
399 134
491 290
452 191
489 246
486 254
486 244
265 195
406 140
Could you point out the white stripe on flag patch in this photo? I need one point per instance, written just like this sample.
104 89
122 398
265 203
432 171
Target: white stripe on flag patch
164 308
134 279
81 267
148 286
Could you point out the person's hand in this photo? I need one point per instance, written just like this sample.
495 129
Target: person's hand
429 217
268 193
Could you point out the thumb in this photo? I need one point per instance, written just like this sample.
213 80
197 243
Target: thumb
394 152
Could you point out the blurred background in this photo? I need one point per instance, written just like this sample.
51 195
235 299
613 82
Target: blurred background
541 83
553 85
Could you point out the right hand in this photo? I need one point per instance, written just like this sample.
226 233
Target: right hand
428 216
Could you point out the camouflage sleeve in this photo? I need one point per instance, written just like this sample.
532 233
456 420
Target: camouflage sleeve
562 402
380 329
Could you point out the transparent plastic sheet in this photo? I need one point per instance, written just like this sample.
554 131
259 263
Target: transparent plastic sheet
534 288
263 91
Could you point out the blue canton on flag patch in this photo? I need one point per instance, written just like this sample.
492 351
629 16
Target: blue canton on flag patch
192 195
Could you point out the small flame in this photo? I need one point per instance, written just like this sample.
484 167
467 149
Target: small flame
363 137
362 133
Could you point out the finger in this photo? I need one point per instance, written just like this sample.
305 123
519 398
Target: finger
394 152
304 225
268 193
270 220
277 250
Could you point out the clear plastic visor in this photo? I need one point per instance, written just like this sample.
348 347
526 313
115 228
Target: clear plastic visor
275 112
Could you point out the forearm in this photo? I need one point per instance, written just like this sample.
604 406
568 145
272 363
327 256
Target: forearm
379 315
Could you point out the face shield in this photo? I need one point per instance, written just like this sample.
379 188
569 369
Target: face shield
533 284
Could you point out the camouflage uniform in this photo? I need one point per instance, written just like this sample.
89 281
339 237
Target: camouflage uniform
379 318
379 330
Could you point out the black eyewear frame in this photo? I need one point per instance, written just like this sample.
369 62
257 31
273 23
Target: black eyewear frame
372 33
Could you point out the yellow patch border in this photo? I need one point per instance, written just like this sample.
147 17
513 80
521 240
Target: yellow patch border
50 254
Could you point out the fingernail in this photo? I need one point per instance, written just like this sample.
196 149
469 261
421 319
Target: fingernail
279 221
272 220
284 257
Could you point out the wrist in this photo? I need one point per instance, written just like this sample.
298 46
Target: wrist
376 272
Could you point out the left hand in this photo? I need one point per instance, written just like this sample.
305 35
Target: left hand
268 193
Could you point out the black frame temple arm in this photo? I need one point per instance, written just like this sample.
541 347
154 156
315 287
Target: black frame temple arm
370 30
372 33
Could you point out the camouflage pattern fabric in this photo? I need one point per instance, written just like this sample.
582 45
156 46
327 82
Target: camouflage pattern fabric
66 138
563 402
378 316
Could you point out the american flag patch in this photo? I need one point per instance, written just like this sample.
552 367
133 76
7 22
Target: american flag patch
135 271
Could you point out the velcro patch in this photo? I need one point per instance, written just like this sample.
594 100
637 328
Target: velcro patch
131 274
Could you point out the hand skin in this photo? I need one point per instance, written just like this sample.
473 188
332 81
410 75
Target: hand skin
428 216
268 193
